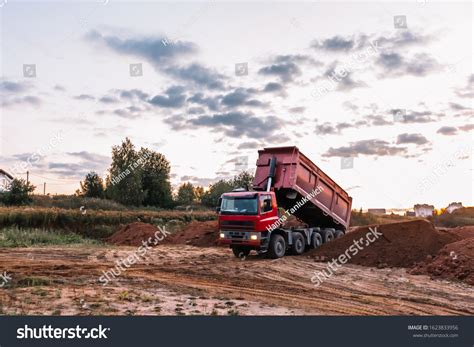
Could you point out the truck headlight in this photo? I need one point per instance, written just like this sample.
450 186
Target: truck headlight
254 237
222 235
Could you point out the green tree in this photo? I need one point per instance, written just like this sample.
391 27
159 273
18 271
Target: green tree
185 194
18 193
243 180
124 183
198 193
155 179
212 195
93 186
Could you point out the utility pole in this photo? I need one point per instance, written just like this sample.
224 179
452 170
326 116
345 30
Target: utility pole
44 188
27 177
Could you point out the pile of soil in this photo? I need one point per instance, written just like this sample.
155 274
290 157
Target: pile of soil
133 234
400 245
455 261
200 234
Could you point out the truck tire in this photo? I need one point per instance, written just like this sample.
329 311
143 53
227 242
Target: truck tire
298 245
338 234
241 252
277 247
316 240
327 235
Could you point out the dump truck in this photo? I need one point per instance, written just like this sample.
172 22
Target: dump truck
286 184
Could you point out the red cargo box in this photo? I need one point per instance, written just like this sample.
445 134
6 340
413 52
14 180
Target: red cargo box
297 177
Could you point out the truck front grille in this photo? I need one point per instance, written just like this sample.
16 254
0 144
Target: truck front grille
237 225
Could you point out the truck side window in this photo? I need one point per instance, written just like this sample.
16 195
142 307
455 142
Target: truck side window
265 203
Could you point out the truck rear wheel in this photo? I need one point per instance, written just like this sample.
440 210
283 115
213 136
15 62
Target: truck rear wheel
277 247
298 245
338 234
241 252
327 235
316 240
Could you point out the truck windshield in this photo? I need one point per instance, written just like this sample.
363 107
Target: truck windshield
239 205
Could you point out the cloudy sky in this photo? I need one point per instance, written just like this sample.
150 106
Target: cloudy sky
379 95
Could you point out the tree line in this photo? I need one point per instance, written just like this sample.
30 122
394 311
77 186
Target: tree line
142 178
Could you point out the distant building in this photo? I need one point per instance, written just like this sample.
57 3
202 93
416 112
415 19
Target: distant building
423 210
5 180
410 214
453 206
378 211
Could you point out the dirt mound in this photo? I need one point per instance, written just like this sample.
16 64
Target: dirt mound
454 261
464 232
201 234
399 245
133 234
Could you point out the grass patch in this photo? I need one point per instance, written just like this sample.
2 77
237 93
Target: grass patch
15 237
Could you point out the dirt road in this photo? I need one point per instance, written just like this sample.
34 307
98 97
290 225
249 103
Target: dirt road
188 280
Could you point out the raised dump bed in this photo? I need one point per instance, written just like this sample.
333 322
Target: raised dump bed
294 177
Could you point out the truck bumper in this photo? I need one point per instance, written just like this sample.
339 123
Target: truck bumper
244 238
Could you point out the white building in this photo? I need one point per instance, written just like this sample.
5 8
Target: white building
5 180
453 206
423 210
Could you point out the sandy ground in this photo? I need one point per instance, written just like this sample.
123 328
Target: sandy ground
185 280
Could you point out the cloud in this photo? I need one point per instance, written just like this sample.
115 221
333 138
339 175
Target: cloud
272 87
27 100
365 147
174 98
447 130
468 90
13 87
241 97
286 71
249 145
409 116
84 97
467 127
212 103
199 75
393 64
335 43
150 48
236 124
342 44
88 162
132 94
417 139
107 99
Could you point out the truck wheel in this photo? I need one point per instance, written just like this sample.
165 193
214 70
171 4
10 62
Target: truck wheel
240 252
277 247
298 245
338 234
327 235
316 240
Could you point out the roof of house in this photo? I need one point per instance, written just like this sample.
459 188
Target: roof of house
3 172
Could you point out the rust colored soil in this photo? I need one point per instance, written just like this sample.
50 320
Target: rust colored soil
201 234
400 245
455 262
133 234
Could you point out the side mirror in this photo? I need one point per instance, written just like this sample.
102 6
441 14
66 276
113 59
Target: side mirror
218 209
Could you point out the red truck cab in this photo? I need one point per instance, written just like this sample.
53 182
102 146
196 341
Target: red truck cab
244 220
